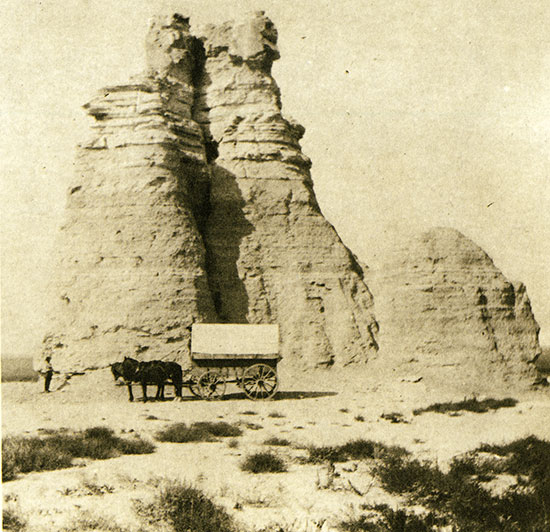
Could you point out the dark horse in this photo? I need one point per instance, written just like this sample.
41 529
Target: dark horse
156 372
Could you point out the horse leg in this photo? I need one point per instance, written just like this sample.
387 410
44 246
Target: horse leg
144 389
130 394
177 387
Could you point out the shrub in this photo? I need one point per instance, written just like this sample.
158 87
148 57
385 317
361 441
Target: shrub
12 520
460 496
353 450
201 431
22 455
186 508
181 433
57 451
390 520
402 475
276 441
263 463
276 415
528 454
135 446
469 405
219 429
394 417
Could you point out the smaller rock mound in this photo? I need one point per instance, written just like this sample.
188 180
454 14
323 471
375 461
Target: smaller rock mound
442 303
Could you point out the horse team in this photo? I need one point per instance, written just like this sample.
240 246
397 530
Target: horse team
155 372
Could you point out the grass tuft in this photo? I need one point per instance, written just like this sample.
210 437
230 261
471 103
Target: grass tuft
57 450
265 462
186 508
253 426
87 522
200 431
468 405
276 441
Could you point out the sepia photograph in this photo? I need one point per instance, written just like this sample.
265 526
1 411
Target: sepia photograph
274 266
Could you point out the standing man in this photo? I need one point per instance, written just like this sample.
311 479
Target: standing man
47 372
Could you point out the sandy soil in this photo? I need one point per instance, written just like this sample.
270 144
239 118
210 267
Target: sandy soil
318 408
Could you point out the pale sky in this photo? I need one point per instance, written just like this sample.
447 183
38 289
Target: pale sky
417 113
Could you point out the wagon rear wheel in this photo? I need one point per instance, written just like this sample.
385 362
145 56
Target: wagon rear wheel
211 385
260 382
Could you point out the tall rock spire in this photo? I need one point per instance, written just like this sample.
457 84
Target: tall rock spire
193 202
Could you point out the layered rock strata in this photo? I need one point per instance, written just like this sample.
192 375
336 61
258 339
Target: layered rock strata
132 273
193 203
442 303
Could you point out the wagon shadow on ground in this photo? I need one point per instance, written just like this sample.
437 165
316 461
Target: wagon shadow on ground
239 396
280 396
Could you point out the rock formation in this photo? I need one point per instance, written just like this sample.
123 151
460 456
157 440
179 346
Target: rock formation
442 304
273 257
193 203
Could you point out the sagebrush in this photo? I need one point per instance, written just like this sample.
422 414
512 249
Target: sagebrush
263 463
200 431
23 454
186 508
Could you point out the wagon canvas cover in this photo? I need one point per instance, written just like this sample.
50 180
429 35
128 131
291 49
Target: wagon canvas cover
215 340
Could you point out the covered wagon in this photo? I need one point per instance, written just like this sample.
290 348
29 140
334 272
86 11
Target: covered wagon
242 354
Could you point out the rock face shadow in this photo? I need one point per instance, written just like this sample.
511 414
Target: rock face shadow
225 229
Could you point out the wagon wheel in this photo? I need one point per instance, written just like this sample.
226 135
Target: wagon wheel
194 387
260 382
211 385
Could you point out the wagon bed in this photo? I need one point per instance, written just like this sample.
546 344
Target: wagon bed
243 354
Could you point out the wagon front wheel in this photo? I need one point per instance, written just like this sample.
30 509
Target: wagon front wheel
260 382
211 385
194 386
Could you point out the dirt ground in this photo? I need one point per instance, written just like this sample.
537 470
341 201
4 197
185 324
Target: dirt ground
320 408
